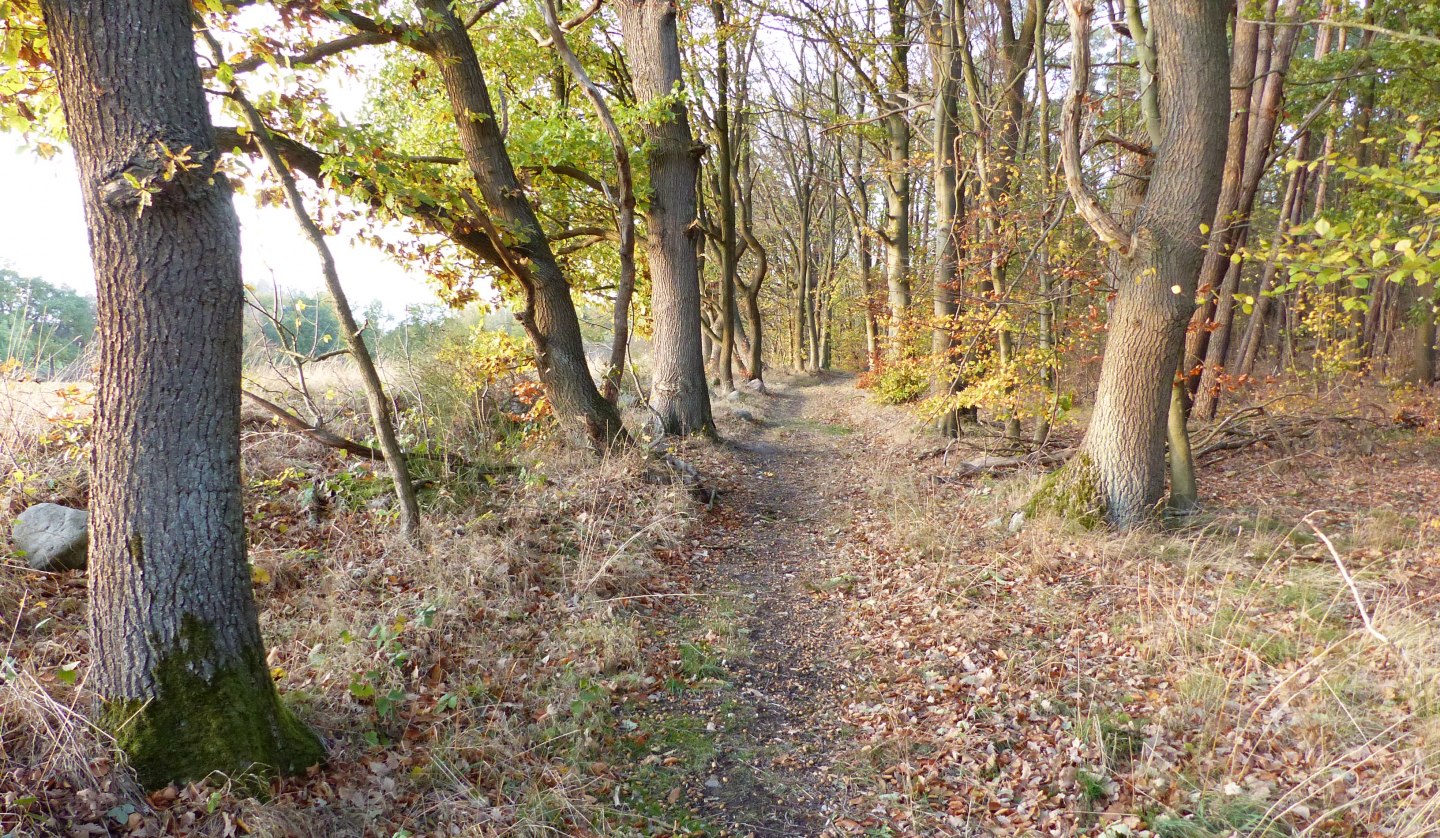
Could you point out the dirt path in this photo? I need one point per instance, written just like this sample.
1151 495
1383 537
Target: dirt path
779 746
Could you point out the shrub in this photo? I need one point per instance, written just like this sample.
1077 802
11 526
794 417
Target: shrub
901 382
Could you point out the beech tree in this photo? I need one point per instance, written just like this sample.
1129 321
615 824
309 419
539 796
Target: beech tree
178 658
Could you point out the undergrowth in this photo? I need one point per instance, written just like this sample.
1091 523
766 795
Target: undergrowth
1212 679
480 684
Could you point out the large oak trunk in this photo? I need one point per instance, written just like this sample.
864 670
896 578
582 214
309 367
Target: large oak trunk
1126 437
679 394
178 657
1120 470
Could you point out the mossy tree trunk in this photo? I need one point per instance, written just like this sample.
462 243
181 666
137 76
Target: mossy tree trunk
1157 261
175 639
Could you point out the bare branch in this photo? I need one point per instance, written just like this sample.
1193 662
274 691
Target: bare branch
1106 227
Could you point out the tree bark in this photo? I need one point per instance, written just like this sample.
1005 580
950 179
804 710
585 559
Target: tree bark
1047 337
949 207
1288 216
1156 262
725 198
897 173
624 200
1422 362
1272 66
752 289
521 247
679 393
1222 227
175 640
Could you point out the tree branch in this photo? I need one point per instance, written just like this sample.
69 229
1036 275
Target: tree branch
1106 227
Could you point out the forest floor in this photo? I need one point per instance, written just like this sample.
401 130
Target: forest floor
838 632
905 661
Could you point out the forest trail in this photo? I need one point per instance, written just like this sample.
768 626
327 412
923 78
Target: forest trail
778 766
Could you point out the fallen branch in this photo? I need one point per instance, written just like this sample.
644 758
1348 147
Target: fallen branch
1355 592
334 440
319 434
988 465
1253 425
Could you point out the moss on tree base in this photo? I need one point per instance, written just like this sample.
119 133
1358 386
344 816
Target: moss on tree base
1072 493
231 721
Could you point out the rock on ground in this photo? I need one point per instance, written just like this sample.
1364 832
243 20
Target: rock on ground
52 537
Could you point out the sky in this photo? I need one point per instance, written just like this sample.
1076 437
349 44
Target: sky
42 234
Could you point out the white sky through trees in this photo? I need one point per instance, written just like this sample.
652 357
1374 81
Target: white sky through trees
42 234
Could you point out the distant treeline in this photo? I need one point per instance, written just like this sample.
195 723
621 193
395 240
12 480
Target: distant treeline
43 327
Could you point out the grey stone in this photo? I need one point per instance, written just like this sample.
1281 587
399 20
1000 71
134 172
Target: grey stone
733 395
52 537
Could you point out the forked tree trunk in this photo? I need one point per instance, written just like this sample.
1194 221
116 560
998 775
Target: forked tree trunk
1119 472
752 302
522 249
175 641
679 394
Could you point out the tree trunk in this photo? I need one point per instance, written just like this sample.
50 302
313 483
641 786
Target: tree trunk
1422 367
758 273
1120 470
1271 67
522 249
725 197
1184 491
897 174
381 419
624 201
679 394
175 639
1222 227
1047 337
949 209
1288 216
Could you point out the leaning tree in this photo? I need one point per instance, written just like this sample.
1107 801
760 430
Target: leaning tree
178 658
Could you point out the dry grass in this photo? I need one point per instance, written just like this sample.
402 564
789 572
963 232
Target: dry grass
468 686
1212 680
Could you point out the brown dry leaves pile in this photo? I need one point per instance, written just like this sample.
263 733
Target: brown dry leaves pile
1209 680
